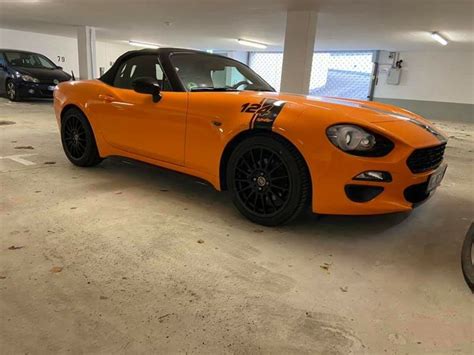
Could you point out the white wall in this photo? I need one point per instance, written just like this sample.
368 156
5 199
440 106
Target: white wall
107 53
61 50
443 76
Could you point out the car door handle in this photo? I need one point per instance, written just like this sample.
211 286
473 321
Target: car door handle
106 98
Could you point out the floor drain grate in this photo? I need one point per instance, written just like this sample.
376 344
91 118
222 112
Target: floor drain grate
5 123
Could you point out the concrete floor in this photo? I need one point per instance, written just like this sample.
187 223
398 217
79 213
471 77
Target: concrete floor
154 261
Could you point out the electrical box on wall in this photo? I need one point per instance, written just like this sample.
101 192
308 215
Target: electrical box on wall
393 76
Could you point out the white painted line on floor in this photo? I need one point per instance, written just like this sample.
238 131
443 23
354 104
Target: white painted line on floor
19 158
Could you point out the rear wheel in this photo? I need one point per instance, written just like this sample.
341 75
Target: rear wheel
78 139
268 179
12 91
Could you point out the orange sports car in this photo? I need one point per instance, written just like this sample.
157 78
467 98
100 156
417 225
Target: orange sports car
213 117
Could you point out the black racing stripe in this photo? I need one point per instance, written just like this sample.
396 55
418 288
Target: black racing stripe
267 114
427 128
254 116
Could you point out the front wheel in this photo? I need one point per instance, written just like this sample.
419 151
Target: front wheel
269 180
78 139
12 91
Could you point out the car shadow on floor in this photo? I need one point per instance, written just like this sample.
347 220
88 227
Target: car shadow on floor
202 195
417 239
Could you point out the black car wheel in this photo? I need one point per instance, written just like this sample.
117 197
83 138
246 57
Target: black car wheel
78 139
268 179
12 91
467 255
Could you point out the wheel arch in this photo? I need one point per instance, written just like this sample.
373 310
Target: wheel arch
69 107
235 141
72 106
94 152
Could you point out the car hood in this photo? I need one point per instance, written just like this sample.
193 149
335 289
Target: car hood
41 74
369 111
385 117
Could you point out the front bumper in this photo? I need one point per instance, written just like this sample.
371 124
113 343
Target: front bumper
36 90
336 192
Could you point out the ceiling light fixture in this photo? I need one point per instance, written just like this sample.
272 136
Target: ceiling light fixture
438 38
251 43
143 44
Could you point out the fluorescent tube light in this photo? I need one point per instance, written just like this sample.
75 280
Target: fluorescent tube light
143 44
438 38
251 43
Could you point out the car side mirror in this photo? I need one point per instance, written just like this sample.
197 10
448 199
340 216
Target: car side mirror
149 86
58 67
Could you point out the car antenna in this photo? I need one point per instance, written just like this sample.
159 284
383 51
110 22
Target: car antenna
72 74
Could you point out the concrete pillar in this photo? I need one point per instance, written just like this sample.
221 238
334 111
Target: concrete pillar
298 53
86 50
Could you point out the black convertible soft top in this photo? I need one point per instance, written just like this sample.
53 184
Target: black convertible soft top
163 54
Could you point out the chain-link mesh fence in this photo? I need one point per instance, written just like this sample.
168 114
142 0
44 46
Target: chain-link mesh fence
339 74
268 66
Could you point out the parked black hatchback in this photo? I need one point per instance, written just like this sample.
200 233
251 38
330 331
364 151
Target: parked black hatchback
28 75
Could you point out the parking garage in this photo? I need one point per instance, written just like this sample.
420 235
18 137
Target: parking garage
142 254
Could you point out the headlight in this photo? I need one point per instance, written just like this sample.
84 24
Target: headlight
357 141
29 78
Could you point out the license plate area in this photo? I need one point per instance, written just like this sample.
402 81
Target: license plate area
51 88
435 179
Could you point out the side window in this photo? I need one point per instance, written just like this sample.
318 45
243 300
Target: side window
138 67
227 77
44 62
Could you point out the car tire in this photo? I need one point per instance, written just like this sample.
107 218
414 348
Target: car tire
12 91
77 138
268 179
466 258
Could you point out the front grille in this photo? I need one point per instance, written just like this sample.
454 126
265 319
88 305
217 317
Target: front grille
426 159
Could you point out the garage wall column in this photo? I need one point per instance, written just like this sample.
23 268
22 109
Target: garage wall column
86 49
298 53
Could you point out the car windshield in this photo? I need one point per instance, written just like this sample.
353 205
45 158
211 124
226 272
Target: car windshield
207 72
29 60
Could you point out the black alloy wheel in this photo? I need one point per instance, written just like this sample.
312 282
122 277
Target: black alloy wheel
262 181
75 137
268 179
78 139
467 258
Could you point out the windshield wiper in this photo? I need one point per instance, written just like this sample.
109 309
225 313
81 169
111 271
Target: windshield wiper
210 88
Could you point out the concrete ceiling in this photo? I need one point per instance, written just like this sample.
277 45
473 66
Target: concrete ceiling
215 24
